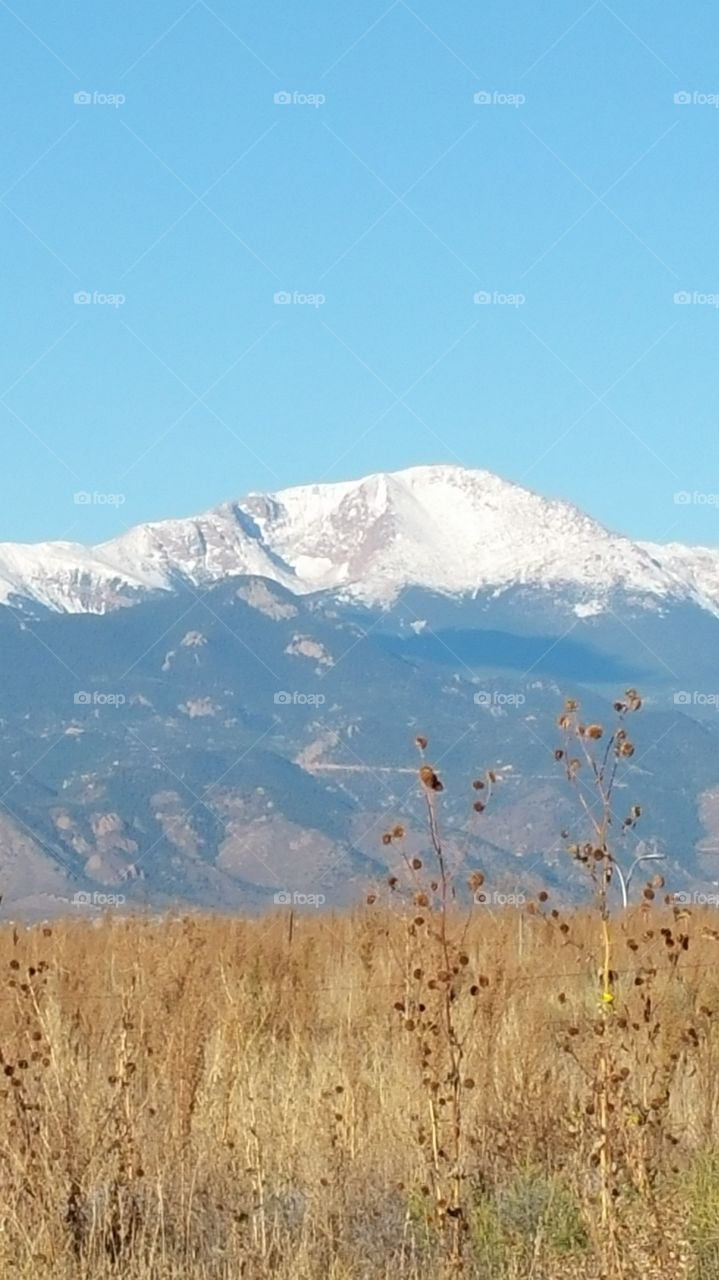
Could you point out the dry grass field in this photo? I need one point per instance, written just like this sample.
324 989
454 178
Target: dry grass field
426 1087
210 1097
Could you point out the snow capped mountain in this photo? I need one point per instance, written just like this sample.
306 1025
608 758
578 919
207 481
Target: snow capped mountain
698 567
443 528
67 578
447 529
199 550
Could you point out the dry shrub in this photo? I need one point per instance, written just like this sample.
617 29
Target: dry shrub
420 1089
200 1097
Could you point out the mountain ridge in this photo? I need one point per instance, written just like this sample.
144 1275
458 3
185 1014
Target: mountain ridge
441 527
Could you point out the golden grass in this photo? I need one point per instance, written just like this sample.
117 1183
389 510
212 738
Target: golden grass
212 1097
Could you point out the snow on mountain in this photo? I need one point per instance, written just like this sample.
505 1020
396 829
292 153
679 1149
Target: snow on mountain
199 550
447 529
440 527
698 567
66 577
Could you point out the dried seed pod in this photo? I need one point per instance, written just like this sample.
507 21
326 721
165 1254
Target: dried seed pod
429 779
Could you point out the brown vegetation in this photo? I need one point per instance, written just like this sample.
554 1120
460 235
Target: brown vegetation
208 1098
442 1084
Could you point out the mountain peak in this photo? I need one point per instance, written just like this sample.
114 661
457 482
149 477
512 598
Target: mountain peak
439 526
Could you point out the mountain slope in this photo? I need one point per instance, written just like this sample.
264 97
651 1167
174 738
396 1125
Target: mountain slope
441 528
221 749
696 566
66 577
447 529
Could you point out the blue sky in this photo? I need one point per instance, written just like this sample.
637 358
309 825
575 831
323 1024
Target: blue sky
581 198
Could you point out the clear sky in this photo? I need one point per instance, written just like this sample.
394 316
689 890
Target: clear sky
580 197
